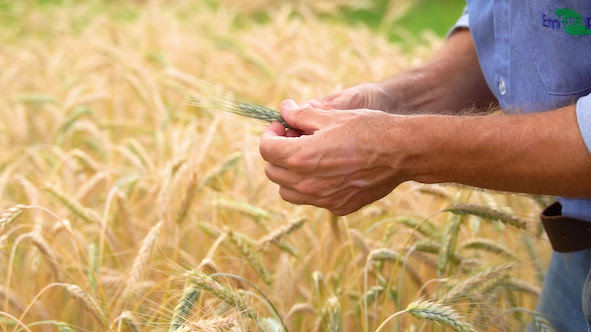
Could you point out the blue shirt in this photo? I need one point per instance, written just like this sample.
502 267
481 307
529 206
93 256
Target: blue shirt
536 56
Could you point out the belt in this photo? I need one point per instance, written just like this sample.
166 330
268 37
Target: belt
565 234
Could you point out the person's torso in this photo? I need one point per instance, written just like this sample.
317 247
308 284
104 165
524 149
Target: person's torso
535 56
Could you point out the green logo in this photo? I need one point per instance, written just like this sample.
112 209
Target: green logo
572 22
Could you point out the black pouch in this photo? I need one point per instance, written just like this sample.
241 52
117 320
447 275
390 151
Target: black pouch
565 234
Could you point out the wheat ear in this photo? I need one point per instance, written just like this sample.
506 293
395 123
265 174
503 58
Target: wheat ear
215 97
143 256
245 248
45 249
491 246
184 306
332 311
491 275
283 231
88 302
218 324
74 206
10 215
440 314
187 199
486 213
205 282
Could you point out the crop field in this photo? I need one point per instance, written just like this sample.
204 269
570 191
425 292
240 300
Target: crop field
126 208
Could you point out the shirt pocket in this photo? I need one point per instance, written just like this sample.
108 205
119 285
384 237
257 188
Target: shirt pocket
560 44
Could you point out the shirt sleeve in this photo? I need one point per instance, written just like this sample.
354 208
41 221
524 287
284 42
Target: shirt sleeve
584 119
462 22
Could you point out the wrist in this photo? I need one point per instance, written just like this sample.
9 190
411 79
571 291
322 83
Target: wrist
406 146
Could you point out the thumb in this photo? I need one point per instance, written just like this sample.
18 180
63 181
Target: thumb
305 119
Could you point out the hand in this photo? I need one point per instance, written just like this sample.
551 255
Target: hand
372 96
343 161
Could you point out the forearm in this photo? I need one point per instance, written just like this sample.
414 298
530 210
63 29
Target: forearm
450 83
532 153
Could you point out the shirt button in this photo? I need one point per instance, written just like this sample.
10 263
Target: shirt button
502 88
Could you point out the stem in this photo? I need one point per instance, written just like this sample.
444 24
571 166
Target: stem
388 319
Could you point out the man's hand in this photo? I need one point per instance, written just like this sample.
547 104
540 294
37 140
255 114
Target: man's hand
450 83
373 96
339 163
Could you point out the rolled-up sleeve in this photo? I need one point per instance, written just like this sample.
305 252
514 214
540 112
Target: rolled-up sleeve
462 22
584 119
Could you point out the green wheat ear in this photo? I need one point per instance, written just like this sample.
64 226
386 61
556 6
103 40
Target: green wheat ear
215 97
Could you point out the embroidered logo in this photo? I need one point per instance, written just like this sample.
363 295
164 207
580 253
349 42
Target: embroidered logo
569 20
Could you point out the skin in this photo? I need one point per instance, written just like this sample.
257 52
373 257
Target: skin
343 160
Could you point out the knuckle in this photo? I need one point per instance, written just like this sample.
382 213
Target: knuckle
298 162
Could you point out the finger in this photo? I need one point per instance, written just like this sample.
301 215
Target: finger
294 197
293 133
282 176
319 103
274 129
306 119
361 198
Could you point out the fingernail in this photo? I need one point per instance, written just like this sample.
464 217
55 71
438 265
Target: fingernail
288 104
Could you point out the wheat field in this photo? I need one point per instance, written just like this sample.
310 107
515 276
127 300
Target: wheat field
125 208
